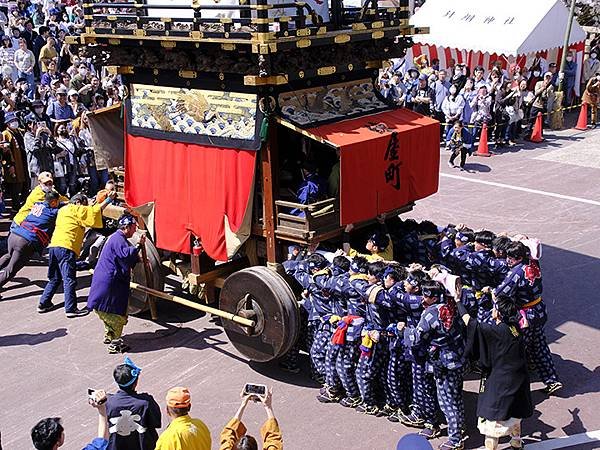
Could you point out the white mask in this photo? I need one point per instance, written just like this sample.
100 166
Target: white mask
83 72
536 73
13 125
593 56
452 90
569 58
46 188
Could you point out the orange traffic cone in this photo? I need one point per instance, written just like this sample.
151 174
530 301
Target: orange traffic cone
536 134
482 149
582 120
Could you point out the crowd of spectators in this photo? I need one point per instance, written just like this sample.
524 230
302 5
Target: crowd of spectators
47 89
129 420
506 100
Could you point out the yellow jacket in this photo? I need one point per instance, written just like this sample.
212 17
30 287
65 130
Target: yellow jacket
71 223
234 430
185 433
35 196
386 255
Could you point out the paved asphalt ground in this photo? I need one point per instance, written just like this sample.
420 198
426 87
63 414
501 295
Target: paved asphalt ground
549 190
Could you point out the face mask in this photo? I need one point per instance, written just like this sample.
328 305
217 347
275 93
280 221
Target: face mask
46 188
453 90
536 73
13 125
38 111
569 58
83 72
593 56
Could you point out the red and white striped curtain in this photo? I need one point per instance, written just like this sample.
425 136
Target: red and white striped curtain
474 59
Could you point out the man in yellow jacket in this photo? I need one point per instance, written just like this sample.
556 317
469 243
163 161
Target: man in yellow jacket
379 244
64 249
183 433
38 194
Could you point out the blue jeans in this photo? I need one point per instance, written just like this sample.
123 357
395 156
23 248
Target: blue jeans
61 268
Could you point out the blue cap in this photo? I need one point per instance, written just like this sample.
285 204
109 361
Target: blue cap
10 117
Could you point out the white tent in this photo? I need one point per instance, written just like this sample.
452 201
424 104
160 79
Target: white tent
509 27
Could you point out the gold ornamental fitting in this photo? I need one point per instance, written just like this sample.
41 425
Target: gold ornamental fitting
327 70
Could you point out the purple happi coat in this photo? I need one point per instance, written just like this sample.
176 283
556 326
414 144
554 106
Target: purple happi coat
110 283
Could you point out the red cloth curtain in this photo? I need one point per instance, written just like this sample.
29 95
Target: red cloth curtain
376 178
193 187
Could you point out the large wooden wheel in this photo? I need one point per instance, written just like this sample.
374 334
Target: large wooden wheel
138 301
262 295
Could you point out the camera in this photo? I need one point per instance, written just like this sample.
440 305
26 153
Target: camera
255 391
92 397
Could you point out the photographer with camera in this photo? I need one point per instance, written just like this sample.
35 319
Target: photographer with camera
40 147
49 433
233 436
70 151
134 416
544 91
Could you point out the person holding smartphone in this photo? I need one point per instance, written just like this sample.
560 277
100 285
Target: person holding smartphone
49 432
234 437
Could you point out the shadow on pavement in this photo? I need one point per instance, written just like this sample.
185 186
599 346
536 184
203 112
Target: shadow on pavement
31 339
174 336
477 167
272 371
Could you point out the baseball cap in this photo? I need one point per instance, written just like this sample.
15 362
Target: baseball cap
72 92
179 397
44 177
61 90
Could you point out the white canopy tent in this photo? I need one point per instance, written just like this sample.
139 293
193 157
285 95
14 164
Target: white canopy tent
477 33
510 27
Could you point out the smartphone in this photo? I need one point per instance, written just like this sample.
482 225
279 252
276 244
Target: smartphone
255 390
92 396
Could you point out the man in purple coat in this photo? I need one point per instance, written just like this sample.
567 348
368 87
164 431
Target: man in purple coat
109 293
